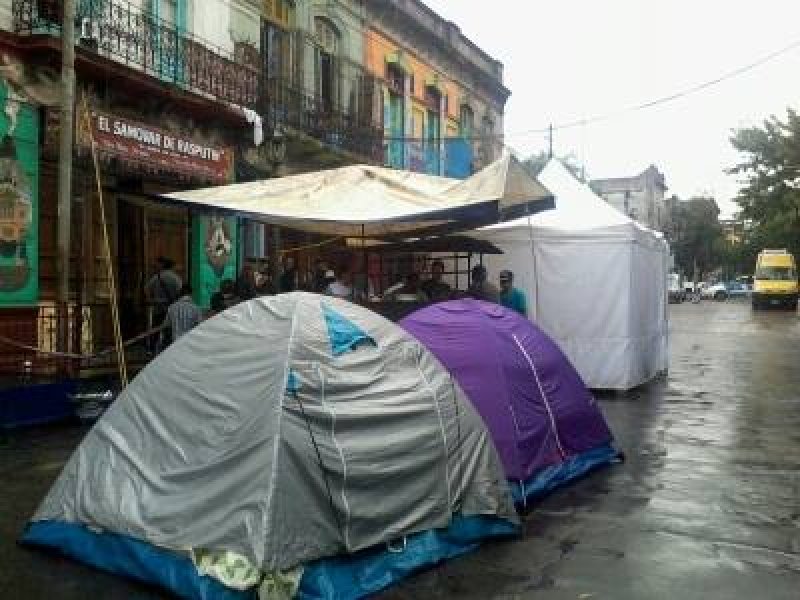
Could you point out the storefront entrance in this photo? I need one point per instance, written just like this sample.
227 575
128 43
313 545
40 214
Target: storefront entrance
146 231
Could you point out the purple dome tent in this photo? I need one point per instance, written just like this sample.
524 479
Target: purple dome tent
545 423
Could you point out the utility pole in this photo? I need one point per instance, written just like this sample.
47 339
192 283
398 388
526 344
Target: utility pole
550 138
65 167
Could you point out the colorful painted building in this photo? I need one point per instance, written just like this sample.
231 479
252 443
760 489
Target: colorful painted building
433 84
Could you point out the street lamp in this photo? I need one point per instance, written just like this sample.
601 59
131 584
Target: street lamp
275 148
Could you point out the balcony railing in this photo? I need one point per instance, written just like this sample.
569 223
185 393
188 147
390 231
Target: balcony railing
284 104
125 33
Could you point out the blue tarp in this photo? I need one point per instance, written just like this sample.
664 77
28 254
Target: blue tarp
124 555
359 575
343 333
550 478
340 578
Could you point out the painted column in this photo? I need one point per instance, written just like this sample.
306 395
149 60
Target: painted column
407 108
19 201
215 246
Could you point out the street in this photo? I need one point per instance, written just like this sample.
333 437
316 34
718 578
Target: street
706 504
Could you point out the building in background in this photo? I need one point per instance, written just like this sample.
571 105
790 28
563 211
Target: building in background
441 97
733 230
641 197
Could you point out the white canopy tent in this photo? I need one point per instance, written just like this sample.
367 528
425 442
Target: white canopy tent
368 201
595 279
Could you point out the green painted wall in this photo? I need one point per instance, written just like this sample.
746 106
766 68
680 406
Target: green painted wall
215 249
19 202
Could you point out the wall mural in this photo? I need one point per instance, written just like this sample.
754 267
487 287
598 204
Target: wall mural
215 243
19 199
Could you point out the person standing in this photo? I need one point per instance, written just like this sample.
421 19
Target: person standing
480 287
342 286
288 279
435 288
246 283
183 314
511 297
160 291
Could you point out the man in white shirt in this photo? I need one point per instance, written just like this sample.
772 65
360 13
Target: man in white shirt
342 286
183 314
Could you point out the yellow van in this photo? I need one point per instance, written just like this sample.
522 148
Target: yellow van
775 280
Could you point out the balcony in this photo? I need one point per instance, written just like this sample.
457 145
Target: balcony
286 105
126 34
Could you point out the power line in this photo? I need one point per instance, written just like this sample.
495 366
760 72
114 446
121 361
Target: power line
616 114
665 99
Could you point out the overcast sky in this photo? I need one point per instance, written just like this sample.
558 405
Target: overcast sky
574 60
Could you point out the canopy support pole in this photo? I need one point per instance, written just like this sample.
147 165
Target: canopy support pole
112 285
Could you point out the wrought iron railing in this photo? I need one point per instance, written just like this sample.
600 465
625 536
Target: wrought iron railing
285 104
123 32
127 34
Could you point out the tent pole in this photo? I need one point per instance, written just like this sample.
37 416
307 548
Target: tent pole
364 259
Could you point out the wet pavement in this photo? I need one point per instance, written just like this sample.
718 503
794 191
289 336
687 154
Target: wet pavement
706 504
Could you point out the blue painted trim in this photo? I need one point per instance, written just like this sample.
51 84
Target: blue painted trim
124 555
339 578
365 573
555 476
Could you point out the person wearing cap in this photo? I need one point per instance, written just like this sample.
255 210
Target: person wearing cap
511 297
480 287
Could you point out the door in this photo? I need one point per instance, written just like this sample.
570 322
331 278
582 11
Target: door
131 268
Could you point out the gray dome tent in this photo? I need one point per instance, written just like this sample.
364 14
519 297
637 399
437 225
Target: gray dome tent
281 432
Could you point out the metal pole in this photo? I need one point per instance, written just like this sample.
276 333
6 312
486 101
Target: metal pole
65 166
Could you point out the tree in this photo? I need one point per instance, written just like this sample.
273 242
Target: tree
770 172
535 163
696 236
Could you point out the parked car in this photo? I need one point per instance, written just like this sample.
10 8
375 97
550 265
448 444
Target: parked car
717 291
737 289
723 291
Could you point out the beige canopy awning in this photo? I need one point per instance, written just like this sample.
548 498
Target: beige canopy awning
372 201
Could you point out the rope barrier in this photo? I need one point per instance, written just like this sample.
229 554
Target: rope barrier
15 344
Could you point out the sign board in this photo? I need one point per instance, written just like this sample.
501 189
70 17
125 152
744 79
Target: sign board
159 149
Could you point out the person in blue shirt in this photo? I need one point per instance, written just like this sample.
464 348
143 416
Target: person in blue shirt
512 297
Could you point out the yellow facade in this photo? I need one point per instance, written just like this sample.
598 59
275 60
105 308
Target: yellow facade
380 49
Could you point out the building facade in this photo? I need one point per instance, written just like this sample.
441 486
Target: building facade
641 197
441 97
180 94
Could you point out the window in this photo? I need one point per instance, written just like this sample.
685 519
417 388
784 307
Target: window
467 121
433 98
277 51
168 11
169 27
326 68
775 273
281 12
395 78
